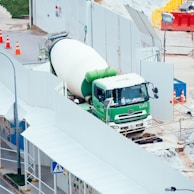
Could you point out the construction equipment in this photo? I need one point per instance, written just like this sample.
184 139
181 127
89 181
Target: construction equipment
121 101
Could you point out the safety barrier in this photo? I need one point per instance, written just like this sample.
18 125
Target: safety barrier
179 92
183 21
172 5
8 43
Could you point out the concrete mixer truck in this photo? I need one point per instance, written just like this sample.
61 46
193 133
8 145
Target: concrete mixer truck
121 101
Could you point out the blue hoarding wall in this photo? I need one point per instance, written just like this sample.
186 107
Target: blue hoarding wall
180 86
12 138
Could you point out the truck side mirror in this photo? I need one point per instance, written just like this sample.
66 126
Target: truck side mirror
155 90
156 96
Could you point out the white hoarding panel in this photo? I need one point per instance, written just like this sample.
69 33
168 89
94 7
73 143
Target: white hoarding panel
88 24
129 42
59 16
161 75
112 39
80 21
98 29
71 20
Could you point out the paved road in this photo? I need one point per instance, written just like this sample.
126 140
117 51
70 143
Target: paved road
29 42
6 188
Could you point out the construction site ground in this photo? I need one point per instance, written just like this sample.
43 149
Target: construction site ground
177 145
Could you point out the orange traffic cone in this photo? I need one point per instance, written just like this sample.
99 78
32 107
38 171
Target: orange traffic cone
7 44
174 97
17 50
182 97
1 37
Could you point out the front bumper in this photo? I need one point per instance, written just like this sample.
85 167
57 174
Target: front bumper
133 126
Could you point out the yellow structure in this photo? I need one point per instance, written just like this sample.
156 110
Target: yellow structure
172 5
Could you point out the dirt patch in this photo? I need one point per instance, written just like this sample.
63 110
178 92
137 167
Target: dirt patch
189 169
36 30
98 1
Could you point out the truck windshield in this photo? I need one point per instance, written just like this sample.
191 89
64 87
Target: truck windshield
128 95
